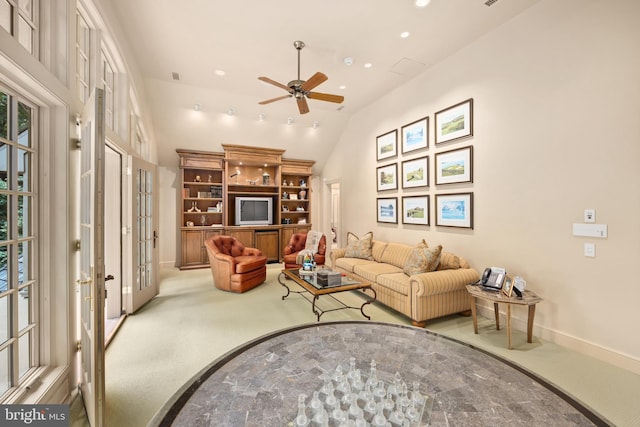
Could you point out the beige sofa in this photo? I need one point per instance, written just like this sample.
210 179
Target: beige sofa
420 296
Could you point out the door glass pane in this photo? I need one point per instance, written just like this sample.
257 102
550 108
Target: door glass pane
4 199
24 262
4 270
4 369
4 110
24 125
4 319
24 346
5 15
24 207
4 165
24 308
24 170
24 34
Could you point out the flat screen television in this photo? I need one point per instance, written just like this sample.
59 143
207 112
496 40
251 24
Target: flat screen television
254 211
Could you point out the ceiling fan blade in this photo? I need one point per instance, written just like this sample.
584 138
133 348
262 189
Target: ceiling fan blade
314 81
269 101
326 97
302 105
275 83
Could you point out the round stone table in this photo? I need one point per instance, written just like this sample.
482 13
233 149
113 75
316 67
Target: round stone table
258 383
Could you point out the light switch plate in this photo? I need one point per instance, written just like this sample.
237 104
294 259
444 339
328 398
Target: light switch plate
590 250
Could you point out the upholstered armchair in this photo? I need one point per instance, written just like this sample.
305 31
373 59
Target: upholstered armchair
297 242
235 268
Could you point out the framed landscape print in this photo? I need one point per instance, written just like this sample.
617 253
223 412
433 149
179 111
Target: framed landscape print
387 177
415 173
454 210
415 135
454 166
387 145
387 209
415 210
454 122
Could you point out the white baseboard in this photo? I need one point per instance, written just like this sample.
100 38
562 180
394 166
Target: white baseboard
571 342
167 264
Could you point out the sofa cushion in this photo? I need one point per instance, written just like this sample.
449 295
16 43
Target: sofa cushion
348 264
244 264
359 247
371 271
449 261
423 260
397 282
377 249
396 254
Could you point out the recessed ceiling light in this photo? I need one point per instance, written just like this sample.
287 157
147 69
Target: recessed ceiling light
348 61
405 34
342 87
262 116
290 121
368 65
231 112
220 73
422 3
196 107
315 124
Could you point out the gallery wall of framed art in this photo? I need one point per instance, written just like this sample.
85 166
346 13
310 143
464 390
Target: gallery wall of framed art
407 193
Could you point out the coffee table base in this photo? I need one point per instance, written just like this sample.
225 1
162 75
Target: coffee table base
317 310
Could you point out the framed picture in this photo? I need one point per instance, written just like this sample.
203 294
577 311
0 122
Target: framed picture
454 210
415 173
387 209
415 135
507 287
454 122
387 145
415 210
387 177
454 166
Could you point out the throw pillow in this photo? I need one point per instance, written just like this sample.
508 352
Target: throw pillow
423 260
423 244
449 261
359 247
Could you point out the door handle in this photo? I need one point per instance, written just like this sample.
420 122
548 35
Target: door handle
109 277
155 237
84 282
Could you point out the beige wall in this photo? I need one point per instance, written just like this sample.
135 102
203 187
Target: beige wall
556 94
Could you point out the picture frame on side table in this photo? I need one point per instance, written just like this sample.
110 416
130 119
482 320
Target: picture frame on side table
415 210
387 177
387 209
507 287
454 166
454 210
415 172
454 122
387 145
415 135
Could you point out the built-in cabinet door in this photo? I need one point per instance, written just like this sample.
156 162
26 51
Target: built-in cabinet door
245 237
191 247
267 242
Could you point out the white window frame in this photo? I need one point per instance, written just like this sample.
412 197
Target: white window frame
18 15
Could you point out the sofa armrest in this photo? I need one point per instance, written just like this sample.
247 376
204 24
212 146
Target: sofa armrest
251 252
440 281
337 253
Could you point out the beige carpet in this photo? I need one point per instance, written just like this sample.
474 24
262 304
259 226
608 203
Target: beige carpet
191 323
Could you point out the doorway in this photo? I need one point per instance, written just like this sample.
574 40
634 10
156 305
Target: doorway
114 315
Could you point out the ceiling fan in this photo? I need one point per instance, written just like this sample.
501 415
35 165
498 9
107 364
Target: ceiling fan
301 89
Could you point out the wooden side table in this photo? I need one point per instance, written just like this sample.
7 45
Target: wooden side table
528 298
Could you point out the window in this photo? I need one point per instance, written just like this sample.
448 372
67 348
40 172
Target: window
108 83
18 214
18 18
83 50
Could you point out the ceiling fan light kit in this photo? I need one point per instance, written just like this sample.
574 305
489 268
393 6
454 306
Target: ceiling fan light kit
301 89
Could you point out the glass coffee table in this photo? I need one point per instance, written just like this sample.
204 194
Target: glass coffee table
312 291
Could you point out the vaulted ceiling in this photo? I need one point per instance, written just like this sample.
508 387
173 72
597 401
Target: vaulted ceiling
179 45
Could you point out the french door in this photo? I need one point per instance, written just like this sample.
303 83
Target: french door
145 233
91 279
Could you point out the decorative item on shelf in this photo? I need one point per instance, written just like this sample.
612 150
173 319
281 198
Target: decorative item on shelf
303 183
219 207
286 220
284 182
285 209
302 220
266 178
192 208
189 223
303 194
235 175
210 177
252 181
197 178
285 195
299 209
291 183
293 196
196 208
203 221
